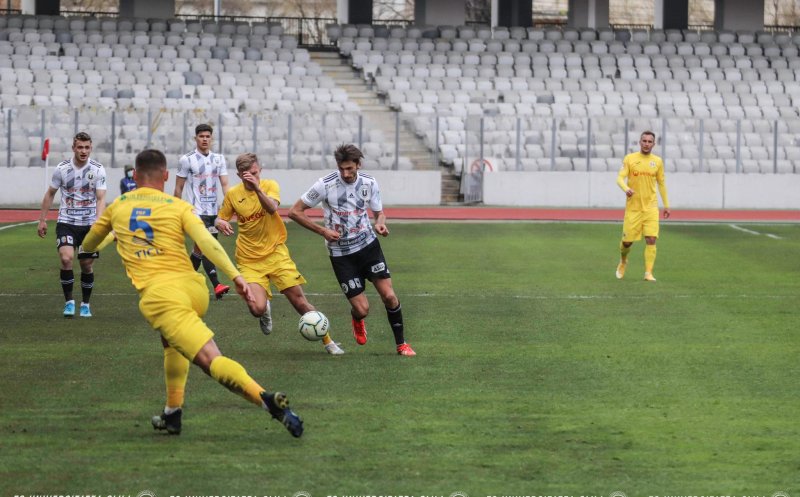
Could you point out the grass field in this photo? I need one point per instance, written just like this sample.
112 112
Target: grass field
538 373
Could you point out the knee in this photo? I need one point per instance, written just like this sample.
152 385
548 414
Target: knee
361 310
627 244
257 309
390 301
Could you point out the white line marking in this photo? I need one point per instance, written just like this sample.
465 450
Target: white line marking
775 237
744 229
461 295
15 225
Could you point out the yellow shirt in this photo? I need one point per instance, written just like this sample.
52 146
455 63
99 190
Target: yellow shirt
643 172
259 231
150 227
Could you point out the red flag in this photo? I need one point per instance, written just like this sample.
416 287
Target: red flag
46 149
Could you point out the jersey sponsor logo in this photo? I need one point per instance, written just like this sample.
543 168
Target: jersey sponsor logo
377 268
353 241
644 173
254 217
344 287
78 212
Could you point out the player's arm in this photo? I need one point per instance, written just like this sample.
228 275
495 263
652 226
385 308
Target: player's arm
380 223
299 215
179 184
100 233
101 202
212 250
47 201
662 190
621 177
223 177
222 223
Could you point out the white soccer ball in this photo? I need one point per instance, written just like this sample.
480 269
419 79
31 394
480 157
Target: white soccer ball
313 325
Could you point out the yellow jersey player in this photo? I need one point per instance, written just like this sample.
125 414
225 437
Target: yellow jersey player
640 173
150 227
261 252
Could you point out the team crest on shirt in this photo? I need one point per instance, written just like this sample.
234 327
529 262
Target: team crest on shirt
216 160
364 192
653 164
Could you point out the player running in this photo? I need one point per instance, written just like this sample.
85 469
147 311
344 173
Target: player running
150 227
355 253
261 252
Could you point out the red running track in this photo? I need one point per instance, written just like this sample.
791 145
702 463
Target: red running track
480 213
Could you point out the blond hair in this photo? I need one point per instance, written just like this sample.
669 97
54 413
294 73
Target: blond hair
244 161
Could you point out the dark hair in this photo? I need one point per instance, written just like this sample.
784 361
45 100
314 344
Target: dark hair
348 152
150 161
82 137
648 132
203 127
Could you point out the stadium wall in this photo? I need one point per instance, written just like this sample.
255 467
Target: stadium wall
26 186
685 190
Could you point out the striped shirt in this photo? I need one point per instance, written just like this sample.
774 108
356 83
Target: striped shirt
78 187
345 210
202 173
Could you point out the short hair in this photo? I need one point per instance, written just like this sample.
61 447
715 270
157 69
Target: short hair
150 161
648 132
203 127
244 161
347 152
83 136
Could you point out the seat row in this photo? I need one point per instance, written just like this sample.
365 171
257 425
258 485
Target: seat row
336 32
110 25
140 38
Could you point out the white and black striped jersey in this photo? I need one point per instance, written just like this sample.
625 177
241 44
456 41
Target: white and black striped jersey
345 208
78 187
202 173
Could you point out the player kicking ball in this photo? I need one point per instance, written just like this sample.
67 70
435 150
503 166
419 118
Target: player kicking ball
261 252
355 252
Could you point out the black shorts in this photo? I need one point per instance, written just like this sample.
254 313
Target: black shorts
209 222
72 235
352 270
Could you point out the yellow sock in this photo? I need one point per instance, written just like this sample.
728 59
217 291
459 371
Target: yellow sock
649 258
327 339
176 372
233 376
623 252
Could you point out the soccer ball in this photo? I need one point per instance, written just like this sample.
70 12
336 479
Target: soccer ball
313 325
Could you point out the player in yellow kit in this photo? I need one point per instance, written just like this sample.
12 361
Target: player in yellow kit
150 227
640 173
261 252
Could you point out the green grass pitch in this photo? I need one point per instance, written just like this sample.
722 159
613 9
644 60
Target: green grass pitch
538 373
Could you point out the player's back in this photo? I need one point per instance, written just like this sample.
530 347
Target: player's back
150 227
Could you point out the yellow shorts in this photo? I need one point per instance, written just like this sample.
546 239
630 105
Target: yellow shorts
175 309
277 268
638 223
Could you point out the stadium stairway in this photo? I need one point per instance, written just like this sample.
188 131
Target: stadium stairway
378 114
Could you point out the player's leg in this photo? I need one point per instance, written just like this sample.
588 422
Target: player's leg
65 244
176 311
283 273
86 261
208 266
650 230
631 231
196 257
348 275
176 372
255 275
394 313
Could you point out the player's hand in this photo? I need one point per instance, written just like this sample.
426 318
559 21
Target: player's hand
666 213
224 227
250 182
382 229
42 229
243 289
629 192
330 235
